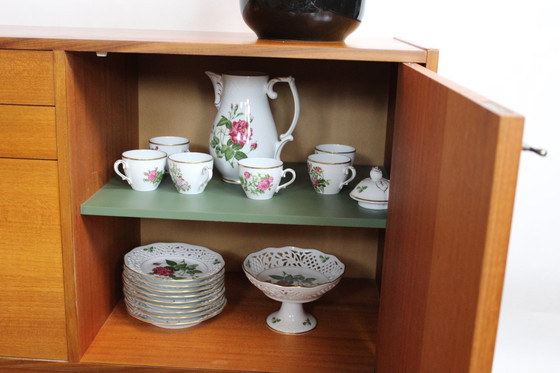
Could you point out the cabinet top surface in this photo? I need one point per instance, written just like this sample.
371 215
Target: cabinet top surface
204 43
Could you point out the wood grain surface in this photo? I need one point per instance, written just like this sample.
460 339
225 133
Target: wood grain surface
454 168
26 77
238 339
204 43
32 317
100 122
28 132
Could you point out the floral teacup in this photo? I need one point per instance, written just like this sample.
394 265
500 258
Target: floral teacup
339 149
260 177
143 168
190 171
328 172
169 145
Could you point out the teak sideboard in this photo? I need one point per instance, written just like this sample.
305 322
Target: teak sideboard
423 283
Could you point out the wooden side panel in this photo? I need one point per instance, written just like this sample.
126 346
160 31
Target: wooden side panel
28 132
101 122
26 77
32 317
454 168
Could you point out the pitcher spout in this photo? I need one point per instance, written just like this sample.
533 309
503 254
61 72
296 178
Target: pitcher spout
218 84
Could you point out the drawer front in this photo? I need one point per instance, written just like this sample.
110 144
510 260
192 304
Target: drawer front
32 312
26 77
27 132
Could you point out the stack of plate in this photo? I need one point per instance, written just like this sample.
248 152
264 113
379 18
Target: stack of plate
173 285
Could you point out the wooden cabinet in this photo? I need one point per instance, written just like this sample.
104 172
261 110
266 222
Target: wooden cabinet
32 307
438 253
27 78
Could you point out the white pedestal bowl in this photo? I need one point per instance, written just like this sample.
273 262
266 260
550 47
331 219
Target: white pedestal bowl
293 276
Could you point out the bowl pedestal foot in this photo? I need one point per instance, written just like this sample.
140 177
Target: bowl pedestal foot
291 319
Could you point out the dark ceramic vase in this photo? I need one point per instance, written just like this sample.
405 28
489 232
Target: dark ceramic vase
313 20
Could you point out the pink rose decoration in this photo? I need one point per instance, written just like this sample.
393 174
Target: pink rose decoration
247 175
240 132
163 271
264 184
152 175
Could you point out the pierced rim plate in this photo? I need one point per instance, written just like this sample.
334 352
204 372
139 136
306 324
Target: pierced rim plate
207 303
171 285
150 287
172 323
174 300
174 313
173 262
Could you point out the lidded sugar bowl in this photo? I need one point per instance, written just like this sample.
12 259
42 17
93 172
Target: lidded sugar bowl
372 192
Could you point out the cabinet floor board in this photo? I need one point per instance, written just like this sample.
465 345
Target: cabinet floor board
238 339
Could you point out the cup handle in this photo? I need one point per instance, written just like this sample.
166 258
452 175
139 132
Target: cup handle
208 172
352 176
116 167
286 171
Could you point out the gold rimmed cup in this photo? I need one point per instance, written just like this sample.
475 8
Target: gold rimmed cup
260 177
337 149
170 145
329 173
143 168
191 171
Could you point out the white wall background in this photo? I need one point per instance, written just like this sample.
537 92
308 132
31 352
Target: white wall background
507 50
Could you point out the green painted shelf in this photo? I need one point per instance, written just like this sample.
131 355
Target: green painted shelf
298 204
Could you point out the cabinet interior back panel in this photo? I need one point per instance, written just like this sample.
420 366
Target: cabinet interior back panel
356 247
341 102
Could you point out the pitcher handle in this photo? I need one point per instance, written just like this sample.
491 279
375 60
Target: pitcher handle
285 137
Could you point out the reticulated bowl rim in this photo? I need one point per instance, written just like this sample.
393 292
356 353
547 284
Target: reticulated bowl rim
273 285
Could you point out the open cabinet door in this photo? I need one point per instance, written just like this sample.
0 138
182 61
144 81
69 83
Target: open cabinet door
453 176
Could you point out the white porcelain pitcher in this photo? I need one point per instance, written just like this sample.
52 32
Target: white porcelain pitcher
244 126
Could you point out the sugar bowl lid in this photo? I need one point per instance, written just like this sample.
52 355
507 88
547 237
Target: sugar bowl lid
373 191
